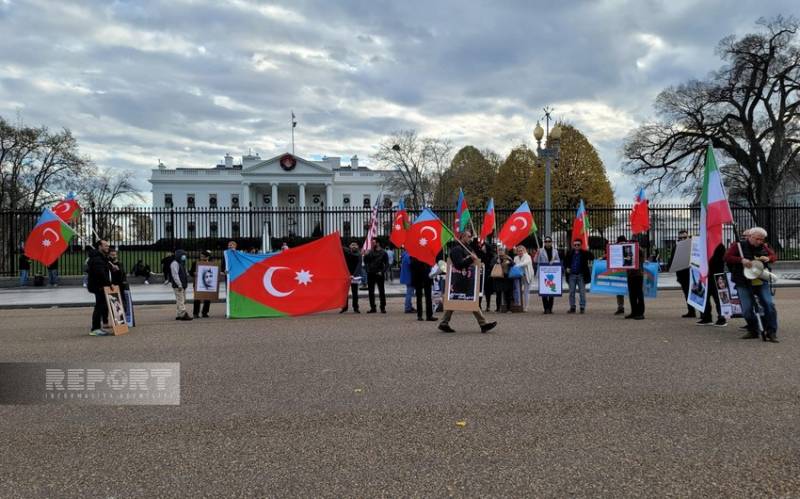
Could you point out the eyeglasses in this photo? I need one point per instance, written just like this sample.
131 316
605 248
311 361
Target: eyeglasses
548 242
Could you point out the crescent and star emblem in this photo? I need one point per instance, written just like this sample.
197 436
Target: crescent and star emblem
55 234
433 231
303 277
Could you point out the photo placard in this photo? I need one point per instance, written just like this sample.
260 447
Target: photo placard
463 288
116 310
623 256
206 282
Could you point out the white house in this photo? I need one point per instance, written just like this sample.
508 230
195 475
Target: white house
286 193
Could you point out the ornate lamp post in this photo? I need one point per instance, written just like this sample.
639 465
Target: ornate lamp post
550 155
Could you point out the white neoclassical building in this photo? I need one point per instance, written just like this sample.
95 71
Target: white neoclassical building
283 183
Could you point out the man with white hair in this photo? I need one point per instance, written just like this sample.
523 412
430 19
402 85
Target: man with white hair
740 256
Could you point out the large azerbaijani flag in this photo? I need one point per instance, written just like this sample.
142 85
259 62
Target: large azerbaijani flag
518 226
49 238
714 213
309 278
427 236
462 214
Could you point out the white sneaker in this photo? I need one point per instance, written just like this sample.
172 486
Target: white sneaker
146 281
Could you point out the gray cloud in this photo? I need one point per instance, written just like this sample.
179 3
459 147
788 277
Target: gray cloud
187 81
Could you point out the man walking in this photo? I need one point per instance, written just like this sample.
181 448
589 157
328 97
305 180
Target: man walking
179 279
683 278
577 267
376 262
352 256
99 276
461 259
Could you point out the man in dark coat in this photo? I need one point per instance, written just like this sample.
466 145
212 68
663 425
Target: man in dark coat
376 261
352 256
462 259
635 278
716 265
421 282
205 258
577 268
683 278
99 276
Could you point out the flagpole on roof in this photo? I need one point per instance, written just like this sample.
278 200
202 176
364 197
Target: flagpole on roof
294 124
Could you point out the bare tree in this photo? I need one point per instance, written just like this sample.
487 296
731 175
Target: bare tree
105 189
418 164
749 110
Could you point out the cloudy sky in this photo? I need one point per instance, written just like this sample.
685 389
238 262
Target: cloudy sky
188 80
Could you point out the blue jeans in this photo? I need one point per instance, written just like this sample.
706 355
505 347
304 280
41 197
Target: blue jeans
746 295
576 281
53 274
23 277
409 297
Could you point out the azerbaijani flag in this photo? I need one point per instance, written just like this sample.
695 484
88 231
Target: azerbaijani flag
581 226
68 208
462 213
49 238
640 214
518 226
399 225
714 212
489 221
309 278
427 236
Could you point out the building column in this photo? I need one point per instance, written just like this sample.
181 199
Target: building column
328 215
302 207
275 231
247 219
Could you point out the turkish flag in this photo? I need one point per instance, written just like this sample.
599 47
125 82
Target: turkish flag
517 227
309 278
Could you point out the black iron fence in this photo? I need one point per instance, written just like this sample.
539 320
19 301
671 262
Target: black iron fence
146 234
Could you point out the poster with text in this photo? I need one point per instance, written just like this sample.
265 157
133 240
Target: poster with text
550 280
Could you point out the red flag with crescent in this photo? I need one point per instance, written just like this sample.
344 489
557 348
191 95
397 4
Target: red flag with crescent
49 238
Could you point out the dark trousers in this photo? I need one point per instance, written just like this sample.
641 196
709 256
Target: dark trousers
712 293
196 307
547 303
354 294
685 288
373 280
100 312
636 294
426 290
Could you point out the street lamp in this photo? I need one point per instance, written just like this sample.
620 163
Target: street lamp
549 153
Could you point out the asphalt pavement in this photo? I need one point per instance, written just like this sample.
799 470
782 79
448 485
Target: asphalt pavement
379 405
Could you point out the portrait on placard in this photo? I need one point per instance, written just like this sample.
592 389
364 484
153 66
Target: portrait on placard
698 291
116 310
623 256
206 282
463 287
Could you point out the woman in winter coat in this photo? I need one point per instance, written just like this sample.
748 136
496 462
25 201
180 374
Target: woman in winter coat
548 255
503 286
523 261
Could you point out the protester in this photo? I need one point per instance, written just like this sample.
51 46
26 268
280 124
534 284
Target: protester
635 278
52 273
205 257
620 298
376 261
284 246
140 269
389 265
352 256
99 276
503 286
547 255
405 278
233 245
24 269
577 267
165 263
683 278
523 261
740 256
117 270
422 284
461 260
179 279
716 265
486 255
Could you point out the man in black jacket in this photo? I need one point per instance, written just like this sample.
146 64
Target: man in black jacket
462 259
421 282
635 280
577 267
683 278
352 256
99 277
716 265
376 261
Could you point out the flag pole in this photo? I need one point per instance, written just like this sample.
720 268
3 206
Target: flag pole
293 125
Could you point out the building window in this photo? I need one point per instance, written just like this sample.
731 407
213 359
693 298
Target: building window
212 200
292 199
168 201
267 199
190 200
214 229
346 199
169 231
387 202
191 231
234 201
315 199
235 232
367 203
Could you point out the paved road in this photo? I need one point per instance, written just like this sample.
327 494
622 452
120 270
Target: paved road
346 405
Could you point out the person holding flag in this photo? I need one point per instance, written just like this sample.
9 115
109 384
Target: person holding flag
99 277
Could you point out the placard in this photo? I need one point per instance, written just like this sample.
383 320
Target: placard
206 282
615 281
728 295
623 256
683 253
127 298
698 290
463 287
550 280
116 310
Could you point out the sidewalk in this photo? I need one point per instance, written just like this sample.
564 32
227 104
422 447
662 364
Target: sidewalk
159 294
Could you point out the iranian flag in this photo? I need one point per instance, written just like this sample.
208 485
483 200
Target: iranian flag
427 236
714 212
